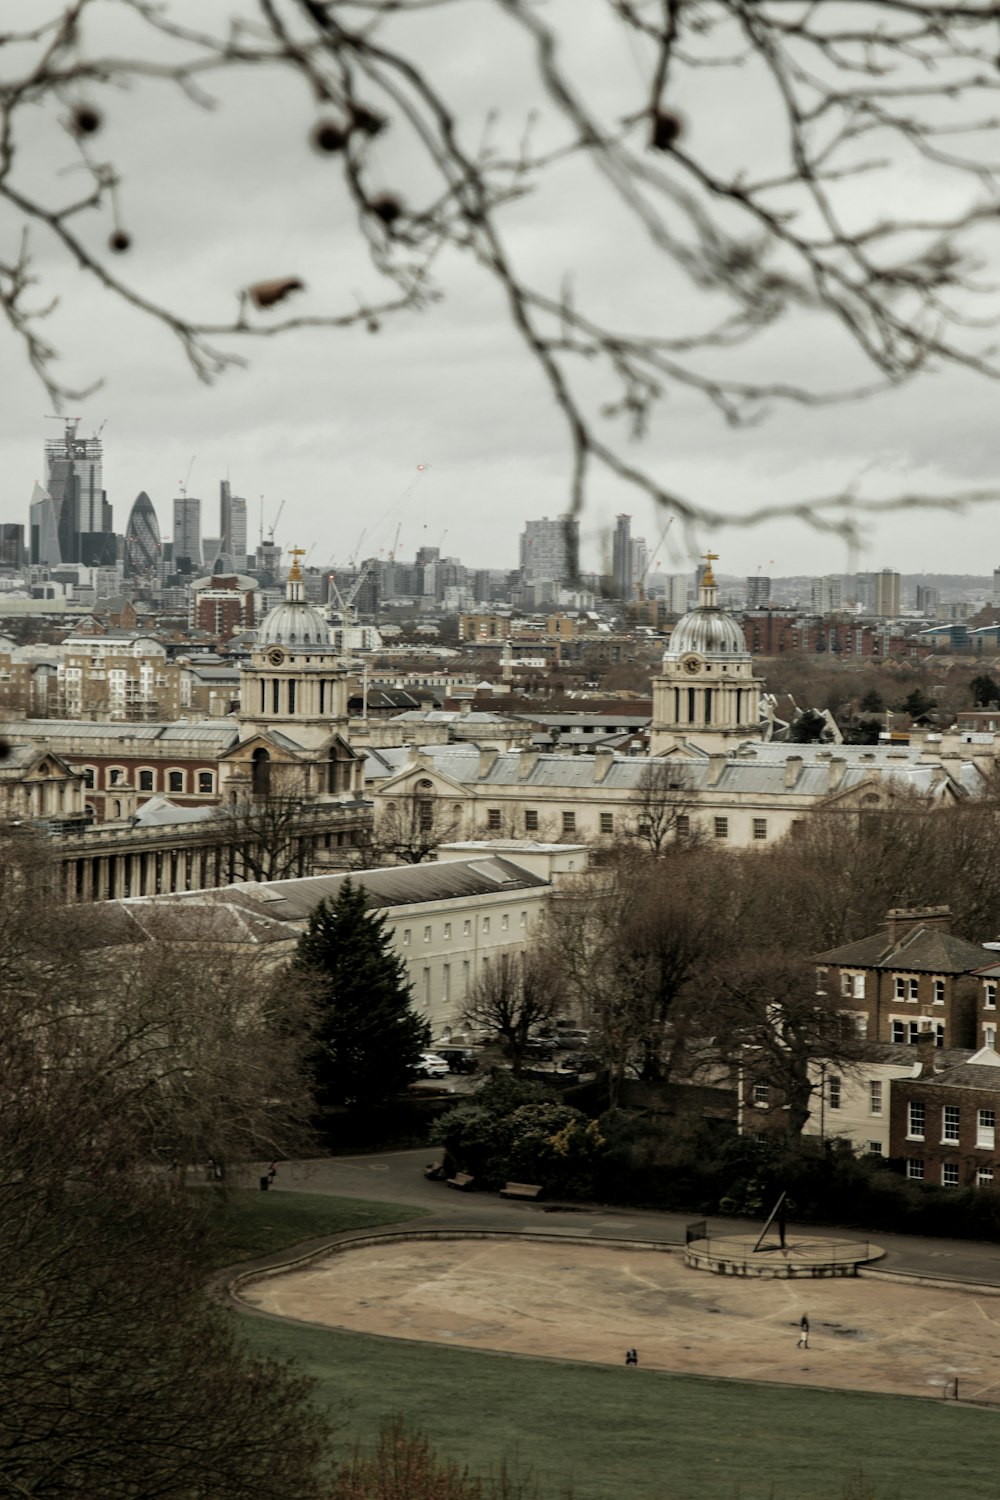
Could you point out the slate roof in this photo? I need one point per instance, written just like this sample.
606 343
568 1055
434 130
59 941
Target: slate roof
980 1071
757 771
922 950
400 885
221 732
187 917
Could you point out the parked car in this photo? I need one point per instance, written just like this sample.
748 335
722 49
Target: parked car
432 1066
459 1059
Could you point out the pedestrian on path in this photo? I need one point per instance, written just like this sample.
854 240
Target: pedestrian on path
631 1356
803 1342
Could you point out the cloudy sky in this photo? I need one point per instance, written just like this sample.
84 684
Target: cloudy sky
335 424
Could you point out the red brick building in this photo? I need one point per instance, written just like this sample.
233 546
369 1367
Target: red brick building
913 974
943 1123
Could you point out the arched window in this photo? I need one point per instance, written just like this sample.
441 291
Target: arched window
261 773
175 781
206 782
146 783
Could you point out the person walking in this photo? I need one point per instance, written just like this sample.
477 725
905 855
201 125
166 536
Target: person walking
631 1356
803 1342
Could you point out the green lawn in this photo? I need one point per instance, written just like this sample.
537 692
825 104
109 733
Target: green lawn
253 1224
610 1432
615 1433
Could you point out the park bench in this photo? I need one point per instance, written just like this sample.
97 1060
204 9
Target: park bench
521 1190
464 1181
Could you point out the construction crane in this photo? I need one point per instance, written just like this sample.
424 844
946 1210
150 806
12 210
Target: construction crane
182 484
640 587
345 602
274 524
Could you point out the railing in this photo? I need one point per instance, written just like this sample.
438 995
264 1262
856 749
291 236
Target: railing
747 1248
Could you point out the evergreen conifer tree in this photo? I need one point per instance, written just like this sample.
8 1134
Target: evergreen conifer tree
368 1038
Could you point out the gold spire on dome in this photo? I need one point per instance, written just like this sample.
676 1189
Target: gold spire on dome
295 572
708 577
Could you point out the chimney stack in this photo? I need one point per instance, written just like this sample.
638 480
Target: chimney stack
926 1043
487 756
793 770
603 761
902 919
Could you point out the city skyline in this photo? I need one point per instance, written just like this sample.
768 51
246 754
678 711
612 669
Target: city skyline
335 424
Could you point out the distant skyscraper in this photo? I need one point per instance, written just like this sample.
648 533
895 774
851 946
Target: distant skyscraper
550 549
675 594
43 543
928 600
758 592
73 478
621 558
232 527
827 594
886 602
639 566
187 533
142 541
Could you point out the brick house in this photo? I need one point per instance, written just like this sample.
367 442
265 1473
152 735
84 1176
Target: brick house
913 974
943 1123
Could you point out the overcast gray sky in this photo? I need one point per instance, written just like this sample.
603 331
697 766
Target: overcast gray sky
335 424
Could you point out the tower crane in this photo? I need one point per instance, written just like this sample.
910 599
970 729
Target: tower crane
641 581
182 484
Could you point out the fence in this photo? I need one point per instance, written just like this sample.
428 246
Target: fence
818 1252
987 1395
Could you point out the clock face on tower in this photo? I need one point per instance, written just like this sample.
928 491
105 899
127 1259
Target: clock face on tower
276 657
691 664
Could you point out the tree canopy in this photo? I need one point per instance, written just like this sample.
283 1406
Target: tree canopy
801 210
367 1038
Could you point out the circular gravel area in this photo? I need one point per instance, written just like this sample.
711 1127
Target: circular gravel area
577 1300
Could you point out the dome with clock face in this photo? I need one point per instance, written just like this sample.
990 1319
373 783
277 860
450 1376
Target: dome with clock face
705 634
293 622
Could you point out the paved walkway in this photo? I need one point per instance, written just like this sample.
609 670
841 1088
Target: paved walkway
397 1177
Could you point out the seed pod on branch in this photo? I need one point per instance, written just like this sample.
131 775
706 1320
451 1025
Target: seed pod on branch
386 207
328 136
367 121
86 120
268 293
666 129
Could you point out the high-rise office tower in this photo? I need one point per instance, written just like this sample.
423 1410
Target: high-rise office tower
675 592
827 594
142 541
73 478
621 558
232 528
886 600
758 592
550 549
187 534
12 553
43 529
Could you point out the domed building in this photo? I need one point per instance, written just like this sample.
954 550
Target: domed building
293 705
707 694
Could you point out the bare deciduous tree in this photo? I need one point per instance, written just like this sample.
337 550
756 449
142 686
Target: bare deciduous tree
663 806
268 837
767 1023
806 214
516 994
409 827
